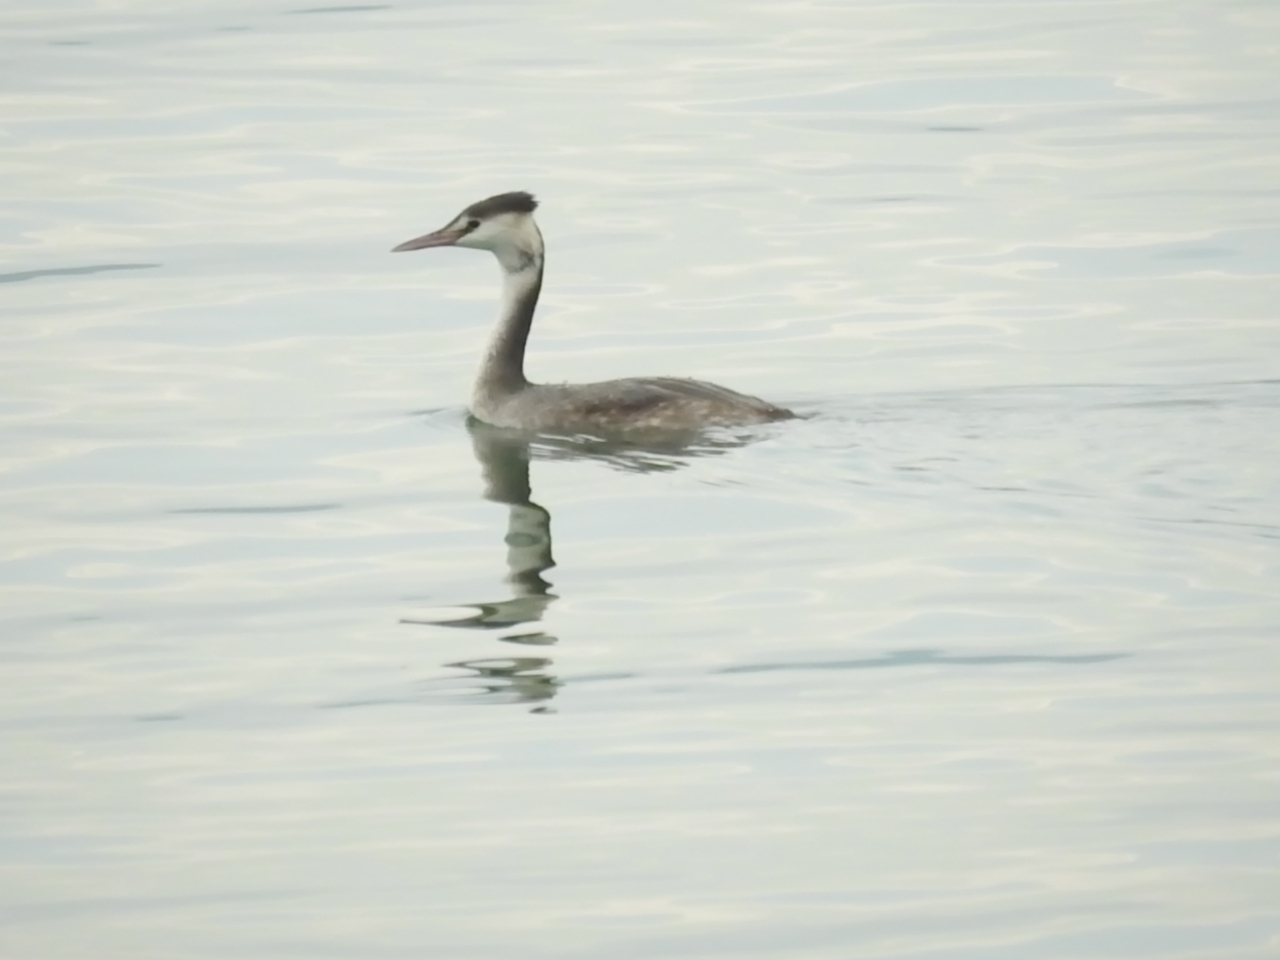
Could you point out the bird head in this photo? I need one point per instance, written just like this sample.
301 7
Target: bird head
501 224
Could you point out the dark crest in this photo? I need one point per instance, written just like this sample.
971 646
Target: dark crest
515 202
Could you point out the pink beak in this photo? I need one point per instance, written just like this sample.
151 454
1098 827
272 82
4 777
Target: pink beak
440 238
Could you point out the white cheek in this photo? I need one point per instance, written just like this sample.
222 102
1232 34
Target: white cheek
477 239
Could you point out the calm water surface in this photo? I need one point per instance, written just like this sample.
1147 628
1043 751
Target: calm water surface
977 661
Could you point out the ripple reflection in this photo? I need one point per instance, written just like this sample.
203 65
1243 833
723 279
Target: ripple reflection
905 658
73 271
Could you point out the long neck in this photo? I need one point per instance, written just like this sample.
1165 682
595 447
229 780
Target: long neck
502 369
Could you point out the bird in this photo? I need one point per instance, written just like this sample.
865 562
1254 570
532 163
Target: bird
503 397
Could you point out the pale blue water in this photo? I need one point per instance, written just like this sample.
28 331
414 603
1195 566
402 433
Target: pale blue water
977 661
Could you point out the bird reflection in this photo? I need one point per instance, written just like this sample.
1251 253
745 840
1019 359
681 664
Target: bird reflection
512 679
504 457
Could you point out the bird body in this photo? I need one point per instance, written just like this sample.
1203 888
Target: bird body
504 397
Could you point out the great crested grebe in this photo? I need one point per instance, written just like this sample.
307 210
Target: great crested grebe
502 396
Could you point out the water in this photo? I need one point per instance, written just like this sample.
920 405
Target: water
977 660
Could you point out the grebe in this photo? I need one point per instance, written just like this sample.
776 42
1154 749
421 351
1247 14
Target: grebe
502 396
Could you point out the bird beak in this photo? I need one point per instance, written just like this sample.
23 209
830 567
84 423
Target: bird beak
440 238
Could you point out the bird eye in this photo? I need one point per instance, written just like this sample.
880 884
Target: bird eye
472 224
